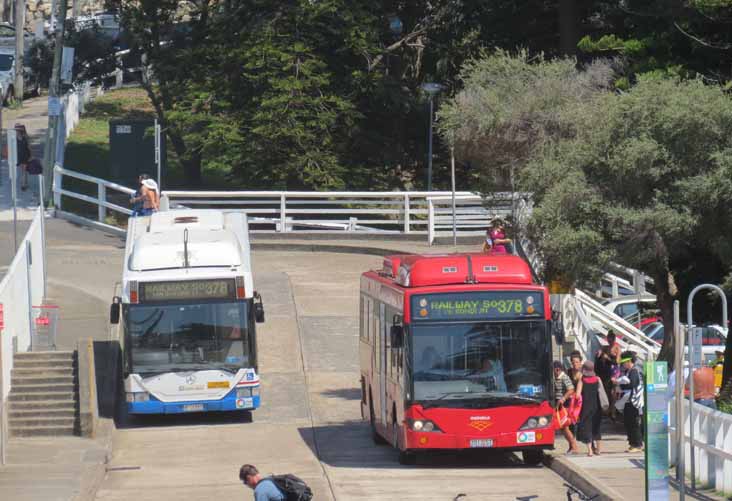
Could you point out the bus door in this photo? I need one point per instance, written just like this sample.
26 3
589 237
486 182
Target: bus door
383 331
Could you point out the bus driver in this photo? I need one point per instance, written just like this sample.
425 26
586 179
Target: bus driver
491 369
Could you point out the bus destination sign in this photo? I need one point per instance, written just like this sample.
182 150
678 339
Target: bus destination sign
187 289
484 305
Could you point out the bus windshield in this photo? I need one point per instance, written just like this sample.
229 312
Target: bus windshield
185 337
496 363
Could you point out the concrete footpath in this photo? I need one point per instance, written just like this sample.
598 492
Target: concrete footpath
615 474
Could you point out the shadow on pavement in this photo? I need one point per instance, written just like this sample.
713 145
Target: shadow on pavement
343 393
349 444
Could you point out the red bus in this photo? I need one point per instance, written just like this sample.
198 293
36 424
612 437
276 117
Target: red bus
455 353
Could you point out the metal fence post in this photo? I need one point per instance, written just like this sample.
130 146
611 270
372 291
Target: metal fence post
430 221
407 213
679 395
28 264
102 197
57 178
283 212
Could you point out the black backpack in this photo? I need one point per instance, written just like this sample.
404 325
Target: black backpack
292 487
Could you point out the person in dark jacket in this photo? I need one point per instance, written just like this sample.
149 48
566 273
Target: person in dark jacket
594 401
24 154
632 383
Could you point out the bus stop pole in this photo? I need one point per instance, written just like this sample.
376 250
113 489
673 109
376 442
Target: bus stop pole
679 395
690 323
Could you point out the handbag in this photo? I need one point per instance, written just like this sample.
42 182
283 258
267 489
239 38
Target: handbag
561 418
575 408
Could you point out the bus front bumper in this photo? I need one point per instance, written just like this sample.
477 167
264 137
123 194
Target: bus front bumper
516 440
228 403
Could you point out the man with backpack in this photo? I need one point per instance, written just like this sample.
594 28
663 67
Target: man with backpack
276 487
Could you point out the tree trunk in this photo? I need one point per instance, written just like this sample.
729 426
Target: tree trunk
568 27
665 300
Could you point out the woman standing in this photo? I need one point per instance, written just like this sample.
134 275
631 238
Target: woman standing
497 234
563 391
594 401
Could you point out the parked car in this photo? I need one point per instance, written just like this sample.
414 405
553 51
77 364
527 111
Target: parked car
31 84
714 338
631 307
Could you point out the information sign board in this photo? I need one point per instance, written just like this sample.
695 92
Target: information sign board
187 289
696 341
2 317
656 420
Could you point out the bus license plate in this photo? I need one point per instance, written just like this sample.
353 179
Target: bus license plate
481 442
193 408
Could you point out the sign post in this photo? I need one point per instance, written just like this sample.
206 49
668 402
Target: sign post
656 418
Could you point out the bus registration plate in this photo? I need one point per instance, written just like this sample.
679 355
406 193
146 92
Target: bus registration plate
481 442
193 408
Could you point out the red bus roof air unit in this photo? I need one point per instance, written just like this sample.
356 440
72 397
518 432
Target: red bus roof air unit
425 270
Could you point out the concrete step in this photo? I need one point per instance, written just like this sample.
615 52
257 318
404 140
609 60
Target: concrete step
68 411
43 388
24 422
38 406
41 431
39 371
42 396
16 381
30 363
44 355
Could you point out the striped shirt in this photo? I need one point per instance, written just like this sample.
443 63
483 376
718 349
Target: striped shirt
562 385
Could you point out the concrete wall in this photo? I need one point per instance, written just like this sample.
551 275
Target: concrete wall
17 295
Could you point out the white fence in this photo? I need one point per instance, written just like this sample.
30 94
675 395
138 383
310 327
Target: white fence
382 212
22 287
712 446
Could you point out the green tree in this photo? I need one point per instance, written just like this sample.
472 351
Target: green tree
643 177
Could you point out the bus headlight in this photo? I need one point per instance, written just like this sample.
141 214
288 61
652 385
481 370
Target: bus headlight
536 422
140 396
422 425
243 392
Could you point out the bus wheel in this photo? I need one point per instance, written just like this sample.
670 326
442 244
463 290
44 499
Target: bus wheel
532 457
378 439
407 458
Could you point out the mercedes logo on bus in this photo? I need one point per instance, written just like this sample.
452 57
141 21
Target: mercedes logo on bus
190 379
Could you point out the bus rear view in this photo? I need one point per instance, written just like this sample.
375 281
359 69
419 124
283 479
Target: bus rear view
188 313
456 354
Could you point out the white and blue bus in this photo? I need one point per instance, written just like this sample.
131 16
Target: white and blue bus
188 312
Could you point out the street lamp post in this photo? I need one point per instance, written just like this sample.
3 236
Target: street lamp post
431 89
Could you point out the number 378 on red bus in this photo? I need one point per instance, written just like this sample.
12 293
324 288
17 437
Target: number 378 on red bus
455 353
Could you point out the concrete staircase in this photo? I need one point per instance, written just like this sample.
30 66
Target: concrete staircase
43 396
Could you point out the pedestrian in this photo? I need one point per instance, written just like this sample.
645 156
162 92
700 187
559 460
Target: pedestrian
487 243
704 390
275 487
607 370
497 234
264 488
632 385
563 391
23 154
137 198
594 401
575 367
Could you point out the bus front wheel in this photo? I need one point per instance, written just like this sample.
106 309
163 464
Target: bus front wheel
532 457
407 458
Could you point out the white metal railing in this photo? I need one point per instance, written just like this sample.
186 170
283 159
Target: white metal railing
712 446
22 287
586 319
412 212
101 191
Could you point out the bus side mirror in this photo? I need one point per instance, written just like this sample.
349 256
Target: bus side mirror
114 310
397 336
258 308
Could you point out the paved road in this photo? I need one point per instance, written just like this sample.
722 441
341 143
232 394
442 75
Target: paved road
310 420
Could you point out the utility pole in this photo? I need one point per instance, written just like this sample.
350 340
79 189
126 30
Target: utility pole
19 49
54 102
